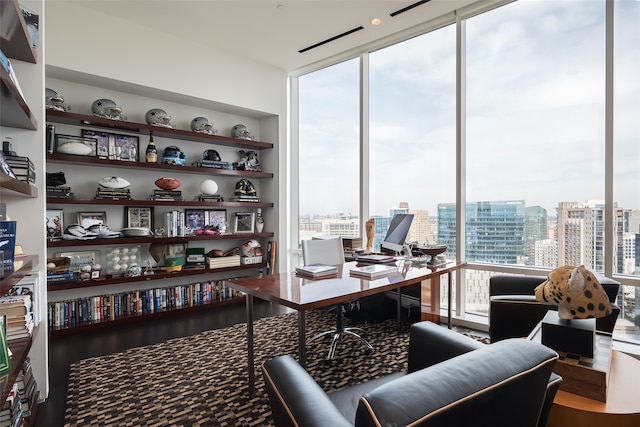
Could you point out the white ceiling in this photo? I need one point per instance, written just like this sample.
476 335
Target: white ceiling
274 31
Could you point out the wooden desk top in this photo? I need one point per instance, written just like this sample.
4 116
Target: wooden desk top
301 293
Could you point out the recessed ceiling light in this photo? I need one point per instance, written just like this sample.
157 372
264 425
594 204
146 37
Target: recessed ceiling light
376 21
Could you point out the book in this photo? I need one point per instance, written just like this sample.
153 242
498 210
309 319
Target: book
317 270
370 259
373 271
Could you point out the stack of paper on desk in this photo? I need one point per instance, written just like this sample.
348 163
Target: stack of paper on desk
373 271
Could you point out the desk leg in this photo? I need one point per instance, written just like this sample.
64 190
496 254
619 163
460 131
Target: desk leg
399 308
302 340
250 355
430 299
450 283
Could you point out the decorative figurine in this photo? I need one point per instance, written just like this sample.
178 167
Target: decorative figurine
248 161
241 132
576 292
370 229
203 125
259 220
53 101
108 109
158 117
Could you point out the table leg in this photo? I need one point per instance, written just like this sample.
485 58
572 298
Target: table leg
302 340
450 283
250 355
399 308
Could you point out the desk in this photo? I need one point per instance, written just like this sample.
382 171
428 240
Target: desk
622 408
304 294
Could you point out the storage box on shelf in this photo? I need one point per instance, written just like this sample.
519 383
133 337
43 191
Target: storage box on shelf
73 314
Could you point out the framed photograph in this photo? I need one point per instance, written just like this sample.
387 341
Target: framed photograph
76 145
78 259
139 216
218 218
54 224
126 148
102 141
196 219
244 222
87 219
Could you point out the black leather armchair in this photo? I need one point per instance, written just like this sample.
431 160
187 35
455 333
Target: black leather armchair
452 380
514 310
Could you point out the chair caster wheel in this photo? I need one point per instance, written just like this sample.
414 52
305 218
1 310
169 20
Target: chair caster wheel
368 351
328 362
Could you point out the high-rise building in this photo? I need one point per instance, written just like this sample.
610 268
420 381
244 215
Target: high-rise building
535 229
494 230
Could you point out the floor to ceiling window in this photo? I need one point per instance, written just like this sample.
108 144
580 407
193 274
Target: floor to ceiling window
329 152
536 149
412 135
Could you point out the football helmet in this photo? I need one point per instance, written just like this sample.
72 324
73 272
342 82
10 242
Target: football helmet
251 248
108 109
158 117
211 155
244 187
203 125
54 101
174 156
241 132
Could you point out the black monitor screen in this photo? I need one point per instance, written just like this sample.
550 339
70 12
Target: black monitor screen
397 233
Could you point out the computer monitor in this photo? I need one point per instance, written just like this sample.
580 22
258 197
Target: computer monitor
397 233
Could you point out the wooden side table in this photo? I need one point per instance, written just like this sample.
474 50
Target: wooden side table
622 408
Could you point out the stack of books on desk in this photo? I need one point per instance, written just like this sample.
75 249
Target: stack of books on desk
373 271
317 270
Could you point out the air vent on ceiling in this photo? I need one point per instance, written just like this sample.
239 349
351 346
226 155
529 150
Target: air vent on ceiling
411 6
331 39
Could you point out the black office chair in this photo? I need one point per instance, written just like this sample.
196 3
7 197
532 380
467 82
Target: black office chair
331 252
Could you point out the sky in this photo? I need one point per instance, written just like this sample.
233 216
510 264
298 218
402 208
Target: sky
535 114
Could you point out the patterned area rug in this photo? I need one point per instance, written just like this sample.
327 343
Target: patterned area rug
201 380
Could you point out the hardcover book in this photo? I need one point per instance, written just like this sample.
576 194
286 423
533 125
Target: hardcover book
7 243
373 271
317 270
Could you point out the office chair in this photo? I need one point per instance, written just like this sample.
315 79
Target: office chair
331 252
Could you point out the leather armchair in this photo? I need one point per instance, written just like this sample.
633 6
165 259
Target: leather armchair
451 380
514 310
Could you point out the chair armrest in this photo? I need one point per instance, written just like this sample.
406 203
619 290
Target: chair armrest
295 398
430 344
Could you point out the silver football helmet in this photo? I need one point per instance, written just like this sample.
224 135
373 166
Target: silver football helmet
158 117
241 132
108 109
53 101
203 125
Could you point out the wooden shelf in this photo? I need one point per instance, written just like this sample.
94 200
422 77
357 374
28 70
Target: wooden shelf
155 203
140 240
75 119
96 161
17 186
15 39
15 111
21 267
57 332
156 276
20 348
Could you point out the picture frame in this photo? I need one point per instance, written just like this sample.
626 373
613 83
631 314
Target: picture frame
218 218
195 219
75 145
54 223
102 141
87 219
80 258
135 216
126 147
244 222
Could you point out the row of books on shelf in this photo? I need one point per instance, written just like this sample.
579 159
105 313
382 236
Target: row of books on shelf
102 308
175 224
22 398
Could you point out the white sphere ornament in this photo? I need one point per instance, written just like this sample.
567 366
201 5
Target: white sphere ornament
209 187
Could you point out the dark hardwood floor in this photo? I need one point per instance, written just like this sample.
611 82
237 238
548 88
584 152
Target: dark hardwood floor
63 351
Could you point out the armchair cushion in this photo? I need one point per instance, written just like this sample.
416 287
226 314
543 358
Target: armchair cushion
446 371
